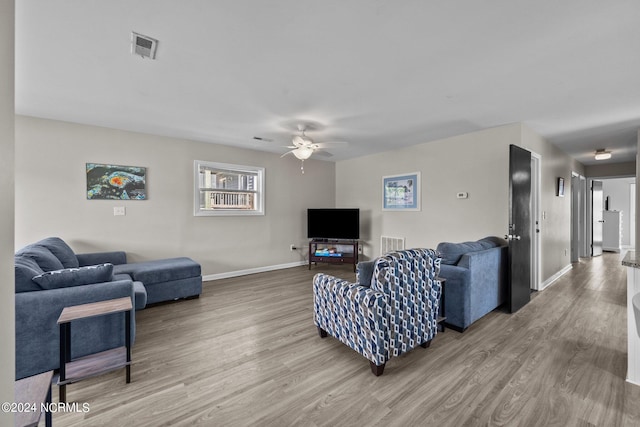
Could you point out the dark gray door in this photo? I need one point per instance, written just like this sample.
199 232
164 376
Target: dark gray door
519 236
597 203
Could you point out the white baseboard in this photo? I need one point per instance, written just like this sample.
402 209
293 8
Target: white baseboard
632 382
555 277
252 271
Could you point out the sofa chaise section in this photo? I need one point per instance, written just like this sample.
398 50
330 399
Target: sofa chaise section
165 279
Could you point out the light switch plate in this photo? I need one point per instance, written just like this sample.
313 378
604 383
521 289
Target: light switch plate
119 210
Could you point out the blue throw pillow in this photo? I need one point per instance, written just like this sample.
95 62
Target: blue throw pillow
42 256
61 250
75 276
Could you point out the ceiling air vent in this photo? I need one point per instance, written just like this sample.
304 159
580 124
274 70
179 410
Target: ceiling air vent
143 45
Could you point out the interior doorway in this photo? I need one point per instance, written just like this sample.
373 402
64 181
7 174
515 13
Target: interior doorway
618 194
597 222
620 197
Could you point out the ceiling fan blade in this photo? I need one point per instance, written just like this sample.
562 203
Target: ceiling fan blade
322 153
329 144
288 152
259 138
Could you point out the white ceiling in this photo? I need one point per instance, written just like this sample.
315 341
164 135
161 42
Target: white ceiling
378 74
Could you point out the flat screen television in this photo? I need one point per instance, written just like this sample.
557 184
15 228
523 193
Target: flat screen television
333 224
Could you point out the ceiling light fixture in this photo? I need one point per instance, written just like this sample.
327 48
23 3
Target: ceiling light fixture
602 154
303 153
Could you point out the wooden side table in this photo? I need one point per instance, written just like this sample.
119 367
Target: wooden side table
72 371
33 390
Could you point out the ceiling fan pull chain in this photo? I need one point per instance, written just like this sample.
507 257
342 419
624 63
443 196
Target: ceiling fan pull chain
302 166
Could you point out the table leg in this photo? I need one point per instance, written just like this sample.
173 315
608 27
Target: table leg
65 356
127 328
47 415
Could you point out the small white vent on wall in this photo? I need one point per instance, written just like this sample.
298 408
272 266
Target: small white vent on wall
143 45
390 244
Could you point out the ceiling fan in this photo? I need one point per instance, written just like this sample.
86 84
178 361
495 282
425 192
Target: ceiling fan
303 146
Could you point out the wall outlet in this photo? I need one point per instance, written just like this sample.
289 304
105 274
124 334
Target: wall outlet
119 210
360 249
292 247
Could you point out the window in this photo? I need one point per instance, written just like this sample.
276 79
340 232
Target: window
225 189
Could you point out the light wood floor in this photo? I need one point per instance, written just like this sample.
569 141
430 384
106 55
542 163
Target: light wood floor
247 353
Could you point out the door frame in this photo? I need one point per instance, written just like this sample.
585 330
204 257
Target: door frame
589 205
536 221
578 217
632 215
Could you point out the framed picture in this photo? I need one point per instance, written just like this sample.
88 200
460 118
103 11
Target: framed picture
116 182
401 192
560 187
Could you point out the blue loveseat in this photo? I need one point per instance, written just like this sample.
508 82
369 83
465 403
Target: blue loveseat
476 279
50 276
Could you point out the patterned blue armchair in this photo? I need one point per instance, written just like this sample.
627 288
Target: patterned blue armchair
395 313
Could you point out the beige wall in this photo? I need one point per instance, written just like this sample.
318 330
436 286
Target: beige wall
447 166
610 170
7 311
477 163
51 197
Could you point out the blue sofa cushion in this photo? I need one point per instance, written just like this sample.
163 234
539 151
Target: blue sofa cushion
61 250
75 276
41 255
364 273
162 270
25 269
452 252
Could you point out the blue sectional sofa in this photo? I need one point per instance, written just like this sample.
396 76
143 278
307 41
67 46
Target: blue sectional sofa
476 279
50 276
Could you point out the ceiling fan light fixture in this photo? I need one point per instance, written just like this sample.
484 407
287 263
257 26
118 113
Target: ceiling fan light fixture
602 154
303 153
298 141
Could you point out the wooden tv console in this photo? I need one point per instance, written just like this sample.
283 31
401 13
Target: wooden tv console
333 251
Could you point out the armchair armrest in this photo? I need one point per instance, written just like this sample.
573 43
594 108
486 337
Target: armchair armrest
115 258
353 314
457 294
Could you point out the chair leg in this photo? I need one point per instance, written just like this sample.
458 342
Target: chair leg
425 344
377 369
322 332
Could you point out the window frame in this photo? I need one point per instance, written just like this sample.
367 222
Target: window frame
228 167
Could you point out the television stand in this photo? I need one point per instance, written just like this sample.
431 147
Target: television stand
333 251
